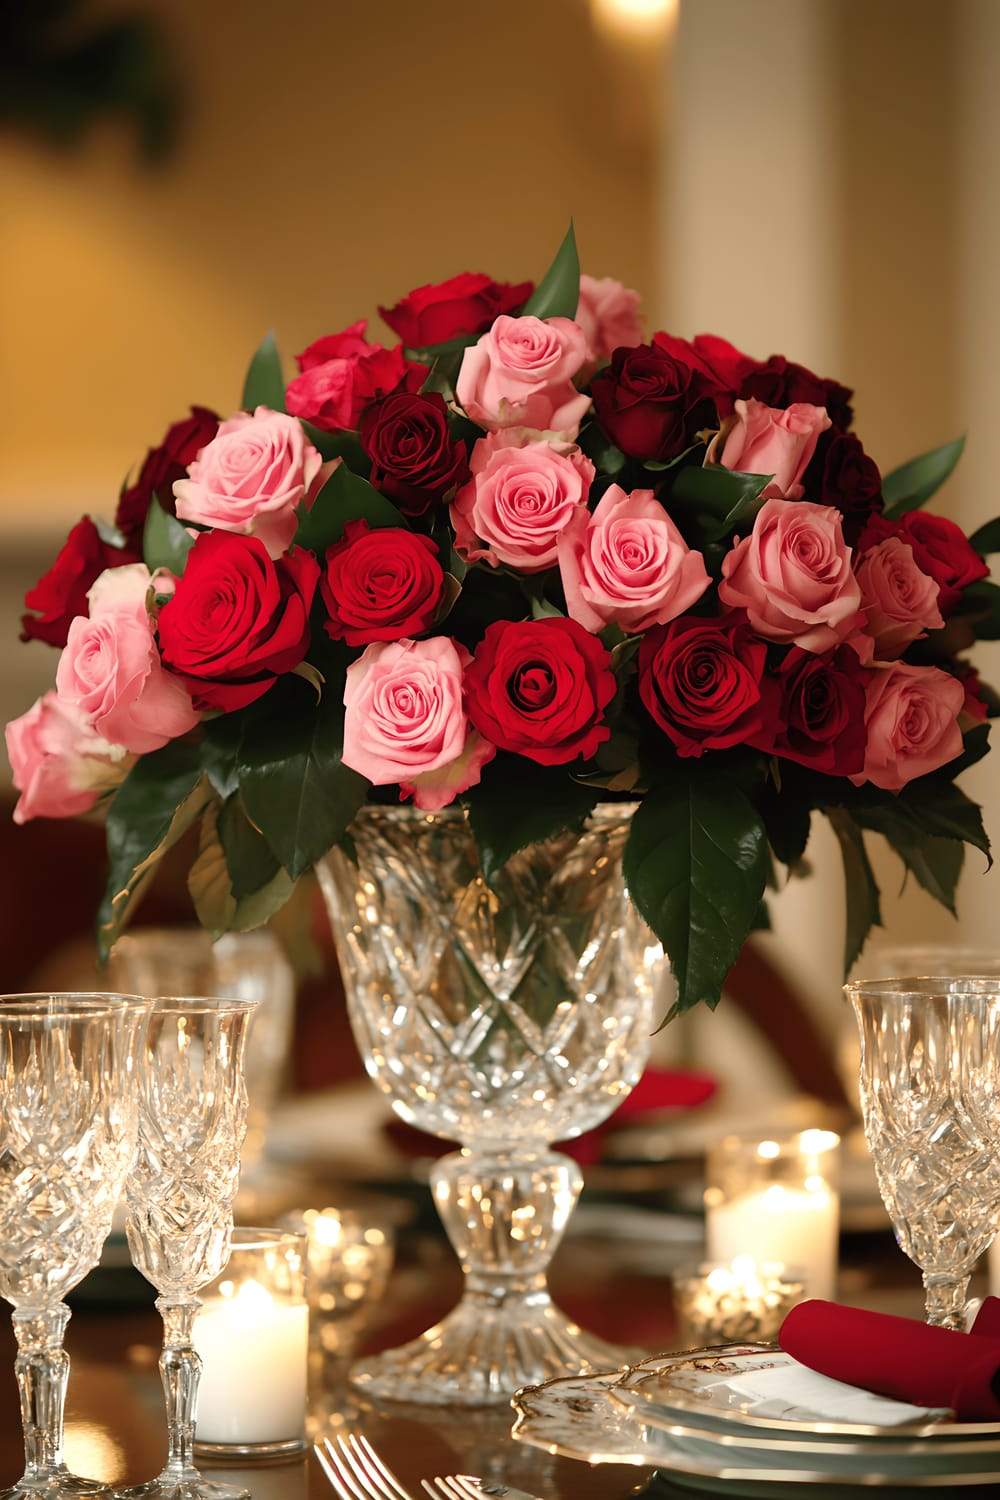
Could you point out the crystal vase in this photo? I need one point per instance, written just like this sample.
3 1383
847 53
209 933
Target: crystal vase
503 1016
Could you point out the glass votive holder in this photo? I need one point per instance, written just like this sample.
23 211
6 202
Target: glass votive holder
350 1259
252 1334
743 1301
776 1199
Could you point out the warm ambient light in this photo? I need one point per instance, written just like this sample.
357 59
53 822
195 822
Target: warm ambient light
635 17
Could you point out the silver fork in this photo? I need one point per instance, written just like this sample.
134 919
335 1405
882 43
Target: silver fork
468 1487
355 1469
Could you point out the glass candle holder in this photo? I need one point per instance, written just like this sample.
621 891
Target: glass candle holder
777 1200
740 1301
350 1259
252 1334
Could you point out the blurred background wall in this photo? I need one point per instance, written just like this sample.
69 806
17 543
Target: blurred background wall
815 177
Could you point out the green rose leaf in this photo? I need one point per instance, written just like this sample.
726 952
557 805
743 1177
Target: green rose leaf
557 295
719 501
939 807
696 864
935 862
987 539
981 607
165 542
863 912
264 384
519 803
250 859
294 785
210 886
345 497
345 445
912 484
163 796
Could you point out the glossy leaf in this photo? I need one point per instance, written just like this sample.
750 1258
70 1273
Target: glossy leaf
941 808
520 803
912 484
345 445
294 785
719 501
211 890
345 497
696 864
557 295
863 911
264 384
161 798
165 542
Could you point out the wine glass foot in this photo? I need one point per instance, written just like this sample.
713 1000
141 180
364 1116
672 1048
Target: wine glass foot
57 1487
183 1487
479 1356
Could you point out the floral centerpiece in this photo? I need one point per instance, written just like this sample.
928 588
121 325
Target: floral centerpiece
523 560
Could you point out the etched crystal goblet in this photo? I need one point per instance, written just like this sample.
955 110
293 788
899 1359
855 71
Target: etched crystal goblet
67 1138
504 1015
930 1099
180 1192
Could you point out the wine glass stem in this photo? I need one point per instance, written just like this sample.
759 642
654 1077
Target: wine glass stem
180 1372
944 1298
42 1370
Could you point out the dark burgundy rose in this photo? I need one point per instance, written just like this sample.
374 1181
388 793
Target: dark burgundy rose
238 619
940 548
703 683
415 460
380 585
722 366
334 394
61 594
820 721
779 382
540 688
842 474
462 307
161 466
651 404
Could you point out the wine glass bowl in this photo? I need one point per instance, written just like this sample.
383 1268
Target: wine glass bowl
180 1192
930 1099
67 1138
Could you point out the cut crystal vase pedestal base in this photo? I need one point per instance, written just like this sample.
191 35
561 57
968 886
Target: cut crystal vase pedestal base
505 1215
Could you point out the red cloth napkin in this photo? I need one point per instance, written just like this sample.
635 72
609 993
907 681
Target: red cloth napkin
899 1357
657 1089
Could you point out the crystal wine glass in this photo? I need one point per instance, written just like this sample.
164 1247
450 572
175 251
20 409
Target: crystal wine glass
192 1119
67 1138
930 1098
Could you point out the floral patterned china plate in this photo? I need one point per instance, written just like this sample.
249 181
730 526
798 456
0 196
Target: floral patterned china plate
582 1417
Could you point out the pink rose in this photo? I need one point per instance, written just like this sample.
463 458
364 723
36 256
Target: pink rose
911 715
627 564
901 600
793 576
522 495
405 720
110 667
520 374
761 439
608 313
252 477
61 767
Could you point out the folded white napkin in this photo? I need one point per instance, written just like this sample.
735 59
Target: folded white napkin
793 1392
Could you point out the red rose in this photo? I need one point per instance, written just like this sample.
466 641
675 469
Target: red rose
779 382
841 474
380 585
940 549
722 366
414 459
539 688
238 618
161 466
350 344
62 594
821 718
333 393
650 403
462 307
702 680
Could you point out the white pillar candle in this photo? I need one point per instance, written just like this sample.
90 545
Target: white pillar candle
795 1225
254 1351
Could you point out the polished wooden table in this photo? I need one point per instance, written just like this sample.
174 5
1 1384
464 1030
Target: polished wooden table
115 1422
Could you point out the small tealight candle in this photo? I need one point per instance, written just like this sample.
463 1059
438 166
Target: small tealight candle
350 1259
734 1303
777 1200
252 1334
